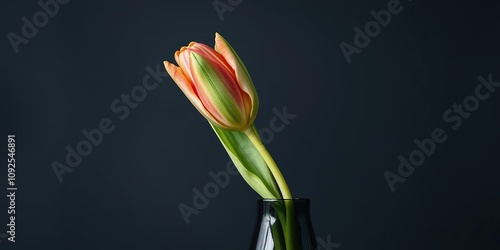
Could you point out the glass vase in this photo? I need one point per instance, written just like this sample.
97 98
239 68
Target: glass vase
283 224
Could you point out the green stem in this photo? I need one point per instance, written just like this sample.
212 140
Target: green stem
280 180
290 231
289 222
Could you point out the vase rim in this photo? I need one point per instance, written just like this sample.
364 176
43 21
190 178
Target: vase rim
294 199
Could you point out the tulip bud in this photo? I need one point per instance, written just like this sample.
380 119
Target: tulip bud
217 83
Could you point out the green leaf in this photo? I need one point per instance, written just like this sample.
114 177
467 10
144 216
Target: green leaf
248 161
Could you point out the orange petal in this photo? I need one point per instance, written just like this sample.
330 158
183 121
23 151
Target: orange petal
242 75
212 55
187 88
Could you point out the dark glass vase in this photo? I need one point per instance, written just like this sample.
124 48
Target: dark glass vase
283 225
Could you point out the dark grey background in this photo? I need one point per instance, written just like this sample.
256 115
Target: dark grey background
353 121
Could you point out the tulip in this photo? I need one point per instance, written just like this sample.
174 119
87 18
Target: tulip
217 83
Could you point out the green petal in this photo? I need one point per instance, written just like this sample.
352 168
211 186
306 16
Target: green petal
216 88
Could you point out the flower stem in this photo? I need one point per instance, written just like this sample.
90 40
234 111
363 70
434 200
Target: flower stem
289 222
280 180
